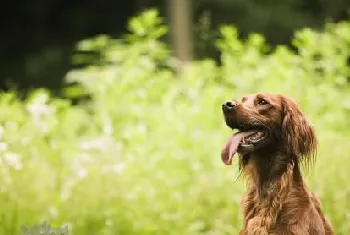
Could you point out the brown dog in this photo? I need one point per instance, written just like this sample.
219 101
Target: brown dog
274 138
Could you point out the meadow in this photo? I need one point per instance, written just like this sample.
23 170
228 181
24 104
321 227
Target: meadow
140 152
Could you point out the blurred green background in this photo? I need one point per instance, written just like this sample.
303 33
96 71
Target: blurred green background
121 132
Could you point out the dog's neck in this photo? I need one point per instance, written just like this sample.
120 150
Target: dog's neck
271 178
264 170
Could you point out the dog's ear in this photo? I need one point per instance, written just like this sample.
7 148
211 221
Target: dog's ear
297 132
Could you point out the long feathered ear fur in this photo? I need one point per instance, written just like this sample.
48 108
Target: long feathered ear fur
297 133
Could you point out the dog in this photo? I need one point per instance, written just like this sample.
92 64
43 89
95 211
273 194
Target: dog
274 140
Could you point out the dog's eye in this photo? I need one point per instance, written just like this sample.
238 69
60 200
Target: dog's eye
262 102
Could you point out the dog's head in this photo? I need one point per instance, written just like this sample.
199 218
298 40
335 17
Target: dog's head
267 121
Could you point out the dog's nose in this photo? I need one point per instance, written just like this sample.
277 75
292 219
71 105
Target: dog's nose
229 106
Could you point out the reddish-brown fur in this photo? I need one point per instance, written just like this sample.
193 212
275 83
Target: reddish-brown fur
277 200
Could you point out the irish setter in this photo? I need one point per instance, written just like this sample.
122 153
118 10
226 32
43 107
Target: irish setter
274 138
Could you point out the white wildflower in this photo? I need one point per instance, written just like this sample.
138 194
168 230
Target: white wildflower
13 160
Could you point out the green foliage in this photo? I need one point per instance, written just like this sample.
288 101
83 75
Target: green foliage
141 156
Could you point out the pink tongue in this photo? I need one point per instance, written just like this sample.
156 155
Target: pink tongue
230 148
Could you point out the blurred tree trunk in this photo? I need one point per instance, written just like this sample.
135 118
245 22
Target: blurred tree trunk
180 28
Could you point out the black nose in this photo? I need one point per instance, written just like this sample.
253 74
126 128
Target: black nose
228 106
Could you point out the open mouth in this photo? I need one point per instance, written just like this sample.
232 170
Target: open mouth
241 140
252 137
